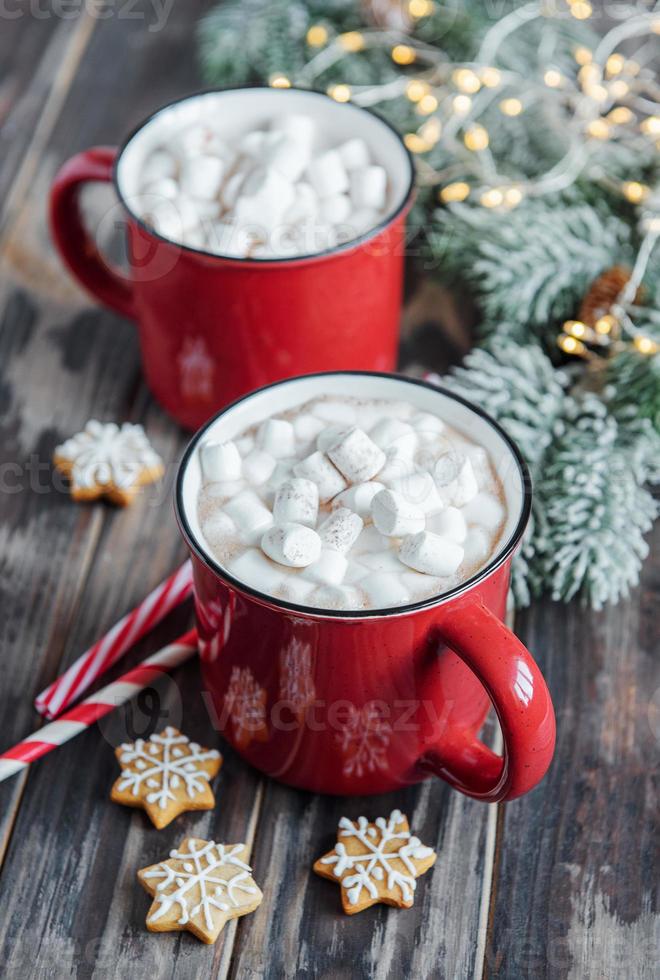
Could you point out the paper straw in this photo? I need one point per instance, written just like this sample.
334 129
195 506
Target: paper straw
90 665
97 705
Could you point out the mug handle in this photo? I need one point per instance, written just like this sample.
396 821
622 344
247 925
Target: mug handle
76 245
521 700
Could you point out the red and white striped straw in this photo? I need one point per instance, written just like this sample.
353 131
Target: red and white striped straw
96 706
114 644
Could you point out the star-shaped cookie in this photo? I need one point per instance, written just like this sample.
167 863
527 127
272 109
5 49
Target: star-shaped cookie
199 888
375 862
107 460
166 775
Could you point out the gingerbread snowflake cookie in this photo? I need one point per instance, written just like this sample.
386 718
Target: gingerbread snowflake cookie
166 775
199 888
107 460
376 862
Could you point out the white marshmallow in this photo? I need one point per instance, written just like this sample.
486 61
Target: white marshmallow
368 187
277 437
224 489
339 413
428 552
264 197
477 547
428 426
229 239
249 514
159 165
194 237
335 209
423 584
296 588
305 205
447 467
292 544
356 456
354 153
202 176
329 569
484 510
164 187
363 219
199 139
306 428
328 436
449 523
390 433
289 157
245 445
340 530
232 188
395 516
297 127
172 219
358 498
337 597
253 568
296 500
220 461
327 174
252 144
420 490
355 571
320 471
461 490
218 526
382 561
283 471
385 589
258 466
399 463
370 540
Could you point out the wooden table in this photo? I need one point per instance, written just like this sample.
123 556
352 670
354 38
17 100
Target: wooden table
559 884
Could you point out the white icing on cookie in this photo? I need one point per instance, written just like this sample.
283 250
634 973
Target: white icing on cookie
105 454
162 764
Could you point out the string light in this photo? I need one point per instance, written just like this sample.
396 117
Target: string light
513 196
621 115
619 89
572 346
427 104
340 93
651 126
599 129
279 81
462 104
615 64
576 328
415 143
492 198
605 325
416 89
431 131
645 345
457 191
317 36
420 8
491 77
583 55
511 107
466 80
476 137
633 67
403 54
352 41
553 78
634 191
581 10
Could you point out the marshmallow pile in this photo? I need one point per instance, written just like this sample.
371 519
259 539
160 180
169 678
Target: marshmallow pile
271 194
350 505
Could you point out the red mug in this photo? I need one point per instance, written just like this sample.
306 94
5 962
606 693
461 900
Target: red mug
367 701
212 328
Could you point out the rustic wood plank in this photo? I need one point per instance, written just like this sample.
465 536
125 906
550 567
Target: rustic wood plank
576 893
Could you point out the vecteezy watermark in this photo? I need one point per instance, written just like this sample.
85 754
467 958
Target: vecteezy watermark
155 13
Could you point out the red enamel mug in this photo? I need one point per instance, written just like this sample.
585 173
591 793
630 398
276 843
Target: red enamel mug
356 702
212 327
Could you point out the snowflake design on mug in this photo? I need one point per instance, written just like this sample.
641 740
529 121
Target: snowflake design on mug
296 683
364 738
245 705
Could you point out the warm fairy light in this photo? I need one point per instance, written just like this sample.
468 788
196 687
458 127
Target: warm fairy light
427 104
416 89
420 8
619 89
589 75
403 54
491 77
552 78
457 191
581 10
462 104
583 55
598 129
570 345
621 115
651 126
633 67
655 26
340 93
615 64
466 80
513 196
476 137
605 325
634 191
511 107
317 36
576 328
279 81
415 143
653 225
492 198
352 41
431 131
645 345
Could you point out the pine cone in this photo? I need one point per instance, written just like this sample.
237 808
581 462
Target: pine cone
389 15
602 293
